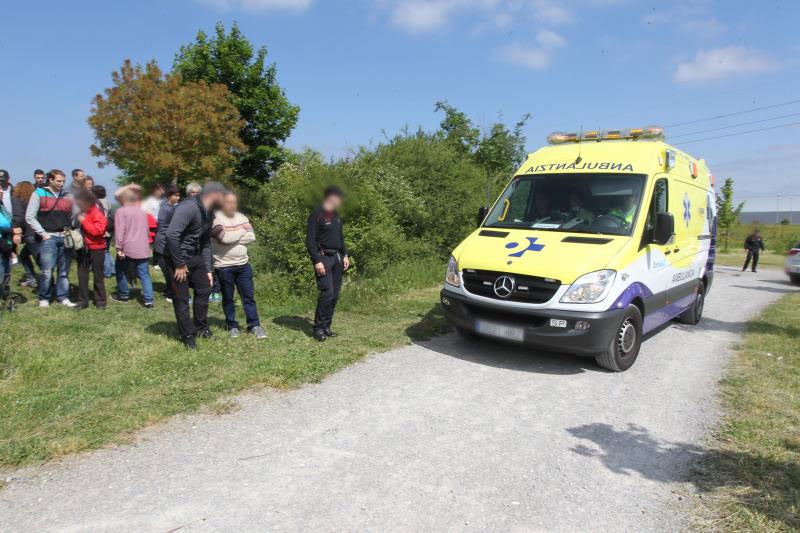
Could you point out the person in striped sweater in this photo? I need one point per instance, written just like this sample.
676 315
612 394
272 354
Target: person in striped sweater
231 232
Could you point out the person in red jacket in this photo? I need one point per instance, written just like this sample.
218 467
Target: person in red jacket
92 257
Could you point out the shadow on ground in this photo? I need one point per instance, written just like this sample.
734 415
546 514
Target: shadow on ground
634 451
426 332
297 323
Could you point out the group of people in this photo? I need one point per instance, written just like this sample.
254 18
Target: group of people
199 243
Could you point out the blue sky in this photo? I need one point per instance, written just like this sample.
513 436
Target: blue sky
361 67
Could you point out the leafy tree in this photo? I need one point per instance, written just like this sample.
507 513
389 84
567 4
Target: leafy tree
230 59
158 128
727 213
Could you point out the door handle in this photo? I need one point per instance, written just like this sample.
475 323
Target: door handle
668 252
676 250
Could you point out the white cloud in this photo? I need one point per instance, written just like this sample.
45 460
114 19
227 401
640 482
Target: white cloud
261 5
723 63
426 16
419 16
533 57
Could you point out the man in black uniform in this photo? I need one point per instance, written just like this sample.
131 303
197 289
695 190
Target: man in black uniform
188 260
754 245
325 244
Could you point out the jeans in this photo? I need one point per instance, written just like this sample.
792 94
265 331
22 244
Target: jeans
27 256
238 278
54 258
5 274
108 262
142 269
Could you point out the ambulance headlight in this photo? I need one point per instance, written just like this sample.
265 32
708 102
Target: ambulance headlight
451 277
590 288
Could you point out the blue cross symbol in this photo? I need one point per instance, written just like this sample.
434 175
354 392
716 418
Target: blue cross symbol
532 247
687 209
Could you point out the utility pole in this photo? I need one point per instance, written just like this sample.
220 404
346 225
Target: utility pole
778 209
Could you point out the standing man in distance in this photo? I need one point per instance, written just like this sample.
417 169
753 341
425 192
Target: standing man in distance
193 189
38 178
172 195
753 245
153 202
326 247
132 238
49 212
78 181
189 262
5 186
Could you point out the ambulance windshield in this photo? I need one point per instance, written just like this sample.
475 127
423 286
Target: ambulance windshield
575 203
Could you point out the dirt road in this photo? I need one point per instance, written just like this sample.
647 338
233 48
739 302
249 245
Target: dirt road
448 435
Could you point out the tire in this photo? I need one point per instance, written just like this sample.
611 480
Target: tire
624 346
794 278
467 334
694 314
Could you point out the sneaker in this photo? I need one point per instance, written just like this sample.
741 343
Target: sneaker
215 298
190 344
44 303
258 331
115 297
205 334
149 305
320 335
168 299
330 333
81 306
233 333
67 303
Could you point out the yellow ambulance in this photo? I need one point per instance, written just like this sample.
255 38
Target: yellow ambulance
599 239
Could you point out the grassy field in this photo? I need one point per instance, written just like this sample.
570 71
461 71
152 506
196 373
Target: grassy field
71 381
766 259
751 478
777 237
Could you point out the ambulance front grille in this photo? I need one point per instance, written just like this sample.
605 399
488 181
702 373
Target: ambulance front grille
527 289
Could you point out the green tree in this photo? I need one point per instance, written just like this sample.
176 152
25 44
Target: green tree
230 59
727 212
158 128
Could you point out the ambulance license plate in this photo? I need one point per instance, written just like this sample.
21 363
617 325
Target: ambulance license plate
500 330
557 323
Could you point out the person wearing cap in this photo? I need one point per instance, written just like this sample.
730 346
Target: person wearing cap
189 260
328 253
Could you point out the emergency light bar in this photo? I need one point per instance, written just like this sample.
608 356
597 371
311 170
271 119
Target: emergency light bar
650 132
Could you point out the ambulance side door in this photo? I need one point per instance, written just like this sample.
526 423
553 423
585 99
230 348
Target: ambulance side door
657 258
685 205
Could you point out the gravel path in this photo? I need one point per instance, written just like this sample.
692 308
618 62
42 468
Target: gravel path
446 435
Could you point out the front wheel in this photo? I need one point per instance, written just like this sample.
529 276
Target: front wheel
624 346
694 314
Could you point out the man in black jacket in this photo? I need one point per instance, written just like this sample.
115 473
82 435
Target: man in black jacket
754 245
325 244
189 263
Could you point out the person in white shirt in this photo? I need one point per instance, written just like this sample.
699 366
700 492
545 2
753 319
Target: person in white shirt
231 232
153 202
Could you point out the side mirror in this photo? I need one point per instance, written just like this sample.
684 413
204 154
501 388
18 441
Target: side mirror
664 228
482 212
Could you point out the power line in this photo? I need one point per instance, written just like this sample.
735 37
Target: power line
734 125
716 117
740 133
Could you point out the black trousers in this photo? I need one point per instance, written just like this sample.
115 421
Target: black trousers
197 279
91 261
329 286
751 255
163 264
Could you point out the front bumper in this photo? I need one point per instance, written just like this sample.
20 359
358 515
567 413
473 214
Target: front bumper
464 312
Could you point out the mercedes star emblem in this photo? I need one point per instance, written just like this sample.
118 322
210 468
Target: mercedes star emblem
504 286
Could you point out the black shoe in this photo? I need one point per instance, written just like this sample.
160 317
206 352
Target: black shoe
190 344
329 333
320 335
205 334
115 297
81 306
